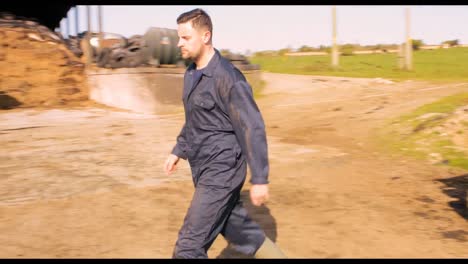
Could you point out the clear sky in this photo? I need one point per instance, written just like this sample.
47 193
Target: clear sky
262 27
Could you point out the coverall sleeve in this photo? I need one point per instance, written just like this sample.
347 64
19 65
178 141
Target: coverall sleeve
180 149
249 128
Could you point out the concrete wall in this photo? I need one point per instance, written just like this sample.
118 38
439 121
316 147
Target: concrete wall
145 89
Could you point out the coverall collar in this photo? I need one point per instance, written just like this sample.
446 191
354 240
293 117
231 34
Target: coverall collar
211 66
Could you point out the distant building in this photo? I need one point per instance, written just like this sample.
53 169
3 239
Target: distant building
429 47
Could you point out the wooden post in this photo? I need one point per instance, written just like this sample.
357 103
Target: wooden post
409 44
334 46
67 26
88 37
76 21
61 28
100 28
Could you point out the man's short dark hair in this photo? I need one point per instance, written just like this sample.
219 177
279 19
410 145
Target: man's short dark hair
199 18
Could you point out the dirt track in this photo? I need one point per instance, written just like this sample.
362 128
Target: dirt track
89 183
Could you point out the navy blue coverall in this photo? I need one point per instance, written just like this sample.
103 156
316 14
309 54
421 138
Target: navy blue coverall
223 132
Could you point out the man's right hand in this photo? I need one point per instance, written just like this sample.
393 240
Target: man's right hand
171 164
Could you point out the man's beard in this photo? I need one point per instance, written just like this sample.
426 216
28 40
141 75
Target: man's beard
192 57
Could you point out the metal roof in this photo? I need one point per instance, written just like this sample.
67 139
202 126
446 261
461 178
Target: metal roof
48 14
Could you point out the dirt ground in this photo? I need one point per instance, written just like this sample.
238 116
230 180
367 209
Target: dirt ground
88 182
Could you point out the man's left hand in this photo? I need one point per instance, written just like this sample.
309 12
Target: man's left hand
259 194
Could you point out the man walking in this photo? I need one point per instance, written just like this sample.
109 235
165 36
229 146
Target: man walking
223 132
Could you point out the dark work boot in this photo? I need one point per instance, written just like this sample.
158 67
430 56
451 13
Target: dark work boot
269 250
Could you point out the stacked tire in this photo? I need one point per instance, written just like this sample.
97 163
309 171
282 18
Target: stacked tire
73 43
131 54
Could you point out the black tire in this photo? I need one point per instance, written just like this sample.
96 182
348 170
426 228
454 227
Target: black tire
137 52
103 57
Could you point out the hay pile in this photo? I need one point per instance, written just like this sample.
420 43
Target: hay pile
37 69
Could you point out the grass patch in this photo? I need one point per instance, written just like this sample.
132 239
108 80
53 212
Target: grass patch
444 65
411 134
446 105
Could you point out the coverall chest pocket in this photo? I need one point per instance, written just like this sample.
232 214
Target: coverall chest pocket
203 112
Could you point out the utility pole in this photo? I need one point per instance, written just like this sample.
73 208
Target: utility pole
334 46
409 44
67 28
88 36
76 21
100 28
62 28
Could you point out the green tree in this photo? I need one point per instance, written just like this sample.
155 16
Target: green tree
451 43
378 47
281 52
305 48
323 48
417 43
347 49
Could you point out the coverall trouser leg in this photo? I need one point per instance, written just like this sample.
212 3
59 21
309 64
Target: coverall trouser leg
215 210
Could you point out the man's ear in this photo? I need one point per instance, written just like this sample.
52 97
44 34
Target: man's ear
206 37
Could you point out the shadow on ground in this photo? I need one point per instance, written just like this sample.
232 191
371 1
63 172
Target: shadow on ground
8 102
457 187
261 215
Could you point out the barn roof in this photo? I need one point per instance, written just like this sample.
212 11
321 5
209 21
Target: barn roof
48 14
